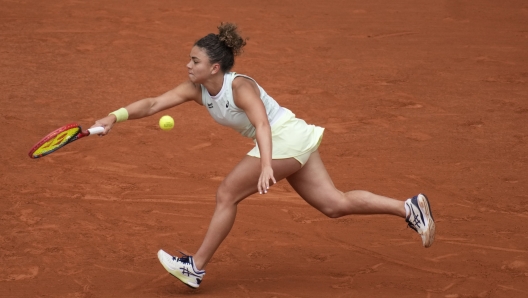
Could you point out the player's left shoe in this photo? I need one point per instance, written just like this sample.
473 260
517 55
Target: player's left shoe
182 268
421 219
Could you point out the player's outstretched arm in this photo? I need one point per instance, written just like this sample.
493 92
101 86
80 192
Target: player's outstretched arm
148 106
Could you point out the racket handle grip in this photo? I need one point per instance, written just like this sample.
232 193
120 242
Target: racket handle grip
95 130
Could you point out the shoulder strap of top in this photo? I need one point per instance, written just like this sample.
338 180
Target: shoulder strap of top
244 76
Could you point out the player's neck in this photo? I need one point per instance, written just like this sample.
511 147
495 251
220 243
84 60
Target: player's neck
214 84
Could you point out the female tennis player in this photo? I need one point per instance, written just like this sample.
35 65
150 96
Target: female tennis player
286 148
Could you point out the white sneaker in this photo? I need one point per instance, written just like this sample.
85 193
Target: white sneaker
182 268
421 219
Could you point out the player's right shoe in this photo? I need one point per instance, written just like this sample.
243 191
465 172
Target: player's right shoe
182 268
421 219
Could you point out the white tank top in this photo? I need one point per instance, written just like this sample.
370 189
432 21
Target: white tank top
224 111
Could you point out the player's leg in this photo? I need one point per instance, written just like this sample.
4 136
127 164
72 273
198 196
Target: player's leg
240 183
315 186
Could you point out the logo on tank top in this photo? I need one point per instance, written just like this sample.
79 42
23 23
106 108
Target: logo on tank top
210 105
227 105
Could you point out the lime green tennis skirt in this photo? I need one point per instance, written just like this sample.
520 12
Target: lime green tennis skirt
292 137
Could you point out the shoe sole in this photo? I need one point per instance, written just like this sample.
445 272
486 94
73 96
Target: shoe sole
429 235
169 271
192 287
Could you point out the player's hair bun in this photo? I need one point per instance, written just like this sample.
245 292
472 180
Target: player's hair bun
229 35
224 46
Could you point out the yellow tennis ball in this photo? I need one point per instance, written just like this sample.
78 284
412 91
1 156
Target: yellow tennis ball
166 122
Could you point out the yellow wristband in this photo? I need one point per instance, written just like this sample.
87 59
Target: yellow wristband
121 114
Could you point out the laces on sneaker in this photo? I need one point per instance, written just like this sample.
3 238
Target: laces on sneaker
185 259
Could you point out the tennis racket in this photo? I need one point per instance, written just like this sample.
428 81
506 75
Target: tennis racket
60 138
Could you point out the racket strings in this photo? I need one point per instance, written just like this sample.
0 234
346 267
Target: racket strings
55 141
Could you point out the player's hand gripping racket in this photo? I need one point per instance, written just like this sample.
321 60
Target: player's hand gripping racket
60 138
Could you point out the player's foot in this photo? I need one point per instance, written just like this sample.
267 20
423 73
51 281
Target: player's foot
420 218
183 268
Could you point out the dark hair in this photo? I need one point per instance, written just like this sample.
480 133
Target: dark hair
224 46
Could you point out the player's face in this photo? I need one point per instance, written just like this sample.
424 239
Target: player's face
199 68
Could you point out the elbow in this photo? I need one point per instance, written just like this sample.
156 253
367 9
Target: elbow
262 125
152 106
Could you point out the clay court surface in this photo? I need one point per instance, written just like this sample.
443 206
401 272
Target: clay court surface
415 96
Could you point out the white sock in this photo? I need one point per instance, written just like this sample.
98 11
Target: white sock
407 210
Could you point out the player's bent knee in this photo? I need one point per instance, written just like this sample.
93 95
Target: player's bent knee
225 196
332 211
332 205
